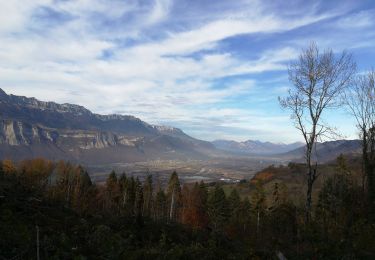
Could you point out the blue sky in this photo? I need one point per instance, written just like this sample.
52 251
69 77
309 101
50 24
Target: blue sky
212 68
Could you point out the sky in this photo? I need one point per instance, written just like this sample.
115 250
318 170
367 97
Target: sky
215 69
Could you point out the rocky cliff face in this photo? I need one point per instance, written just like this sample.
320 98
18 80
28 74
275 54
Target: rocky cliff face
68 116
16 133
29 126
20 133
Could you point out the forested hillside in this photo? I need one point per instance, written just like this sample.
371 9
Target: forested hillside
55 209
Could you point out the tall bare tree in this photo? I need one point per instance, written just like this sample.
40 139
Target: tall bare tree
318 80
360 98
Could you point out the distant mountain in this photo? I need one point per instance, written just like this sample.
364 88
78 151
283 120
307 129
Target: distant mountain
326 151
255 147
31 128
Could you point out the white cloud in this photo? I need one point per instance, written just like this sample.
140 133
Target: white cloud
15 14
118 67
357 20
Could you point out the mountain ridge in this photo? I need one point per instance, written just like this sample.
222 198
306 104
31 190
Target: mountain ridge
31 128
325 151
255 146
72 131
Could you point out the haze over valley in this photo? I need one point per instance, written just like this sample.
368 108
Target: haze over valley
31 129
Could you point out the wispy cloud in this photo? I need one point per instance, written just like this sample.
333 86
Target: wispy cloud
214 70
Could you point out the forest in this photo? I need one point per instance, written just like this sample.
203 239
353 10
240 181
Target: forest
55 211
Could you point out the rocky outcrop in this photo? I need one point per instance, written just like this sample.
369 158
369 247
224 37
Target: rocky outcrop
19 133
32 128
15 133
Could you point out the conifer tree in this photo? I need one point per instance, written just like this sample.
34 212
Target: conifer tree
123 186
131 195
173 194
147 195
234 201
217 208
112 192
138 206
203 193
160 205
259 203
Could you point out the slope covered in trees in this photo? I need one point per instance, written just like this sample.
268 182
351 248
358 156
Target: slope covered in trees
130 219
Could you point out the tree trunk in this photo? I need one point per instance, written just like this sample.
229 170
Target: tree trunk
172 207
310 182
258 222
309 197
364 160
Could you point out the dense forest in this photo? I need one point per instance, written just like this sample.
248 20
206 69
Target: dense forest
55 211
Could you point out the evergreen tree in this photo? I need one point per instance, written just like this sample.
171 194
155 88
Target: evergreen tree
234 202
259 204
217 208
112 192
244 214
203 193
138 206
160 205
123 186
131 195
147 196
173 195
234 205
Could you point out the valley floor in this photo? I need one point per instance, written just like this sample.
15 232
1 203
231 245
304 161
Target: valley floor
230 170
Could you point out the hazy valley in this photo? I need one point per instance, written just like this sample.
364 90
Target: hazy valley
30 128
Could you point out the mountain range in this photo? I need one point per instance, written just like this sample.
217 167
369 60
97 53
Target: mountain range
326 151
255 147
31 128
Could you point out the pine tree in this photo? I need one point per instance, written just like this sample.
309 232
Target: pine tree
234 206
160 205
259 203
234 201
138 206
123 186
131 196
147 196
244 214
173 195
112 192
217 208
203 193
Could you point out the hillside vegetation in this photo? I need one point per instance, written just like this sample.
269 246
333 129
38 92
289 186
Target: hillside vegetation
127 219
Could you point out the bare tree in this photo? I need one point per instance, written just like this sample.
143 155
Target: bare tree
318 80
360 98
